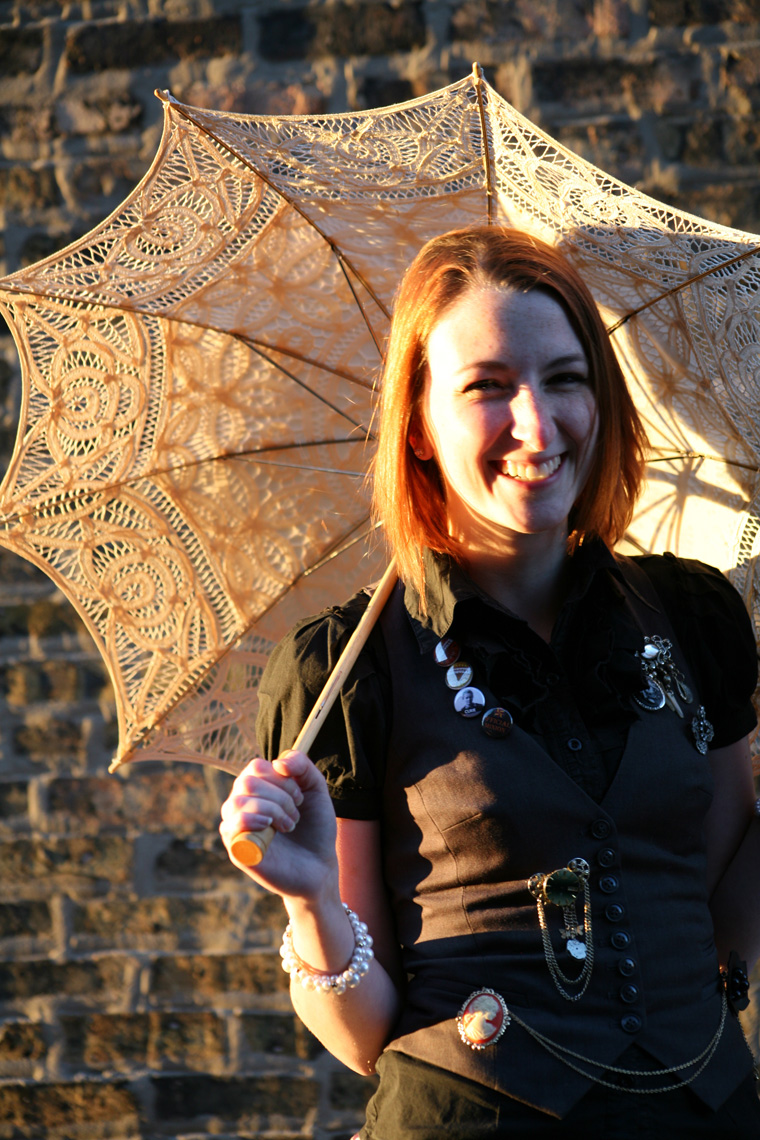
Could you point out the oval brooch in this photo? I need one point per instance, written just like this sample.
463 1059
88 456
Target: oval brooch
482 1019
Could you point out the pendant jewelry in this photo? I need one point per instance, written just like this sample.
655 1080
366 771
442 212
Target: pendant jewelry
652 698
482 1019
561 888
661 673
702 729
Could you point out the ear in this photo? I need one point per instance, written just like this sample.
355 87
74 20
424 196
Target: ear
420 444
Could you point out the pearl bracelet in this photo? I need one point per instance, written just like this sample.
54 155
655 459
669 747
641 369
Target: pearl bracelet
312 979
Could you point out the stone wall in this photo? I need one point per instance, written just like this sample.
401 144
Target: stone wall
140 989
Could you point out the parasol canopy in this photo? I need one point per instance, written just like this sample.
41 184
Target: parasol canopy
199 378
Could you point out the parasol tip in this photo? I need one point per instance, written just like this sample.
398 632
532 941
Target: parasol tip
477 73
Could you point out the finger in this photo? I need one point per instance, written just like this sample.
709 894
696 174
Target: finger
245 822
300 768
267 803
259 769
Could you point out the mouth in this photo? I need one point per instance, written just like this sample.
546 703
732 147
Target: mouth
529 472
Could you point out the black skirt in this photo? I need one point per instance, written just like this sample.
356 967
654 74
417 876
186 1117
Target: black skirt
417 1101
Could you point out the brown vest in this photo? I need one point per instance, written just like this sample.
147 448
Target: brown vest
468 819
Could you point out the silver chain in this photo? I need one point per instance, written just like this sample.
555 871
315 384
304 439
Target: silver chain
562 1054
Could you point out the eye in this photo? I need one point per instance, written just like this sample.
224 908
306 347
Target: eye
486 384
563 379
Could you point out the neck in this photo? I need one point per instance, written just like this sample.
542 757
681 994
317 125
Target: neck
527 576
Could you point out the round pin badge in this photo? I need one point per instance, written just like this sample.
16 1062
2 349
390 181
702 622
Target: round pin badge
482 1019
497 723
469 702
652 698
459 675
446 652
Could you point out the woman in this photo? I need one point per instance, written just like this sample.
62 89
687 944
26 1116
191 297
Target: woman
528 817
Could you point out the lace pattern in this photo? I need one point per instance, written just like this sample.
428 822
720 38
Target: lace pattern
199 379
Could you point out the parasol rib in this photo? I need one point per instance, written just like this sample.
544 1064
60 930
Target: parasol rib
355 295
192 680
701 455
167 97
310 390
68 498
340 372
338 550
477 79
684 285
251 342
251 847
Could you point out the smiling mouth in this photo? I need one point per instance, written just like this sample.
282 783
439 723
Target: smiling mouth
530 472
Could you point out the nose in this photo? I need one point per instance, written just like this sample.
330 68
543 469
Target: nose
532 420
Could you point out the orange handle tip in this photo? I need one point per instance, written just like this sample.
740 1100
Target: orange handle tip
250 847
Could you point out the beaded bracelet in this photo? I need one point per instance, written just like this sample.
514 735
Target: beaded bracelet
328 983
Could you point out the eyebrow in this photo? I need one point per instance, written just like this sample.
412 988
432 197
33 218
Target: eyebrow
557 362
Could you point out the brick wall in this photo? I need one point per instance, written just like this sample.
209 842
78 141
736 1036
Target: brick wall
140 989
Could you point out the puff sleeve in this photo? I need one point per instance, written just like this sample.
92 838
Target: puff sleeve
716 635
351 746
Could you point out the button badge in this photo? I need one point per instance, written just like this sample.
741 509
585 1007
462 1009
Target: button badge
497 723
459 675
469 702
446 652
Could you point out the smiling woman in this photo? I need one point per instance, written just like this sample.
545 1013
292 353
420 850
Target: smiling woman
543 936
462 304
508 415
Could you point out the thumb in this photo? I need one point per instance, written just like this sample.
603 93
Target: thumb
298 767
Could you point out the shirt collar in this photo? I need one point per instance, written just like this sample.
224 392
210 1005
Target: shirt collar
447 584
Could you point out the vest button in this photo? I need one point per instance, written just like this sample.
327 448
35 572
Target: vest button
609 884
600 829
626 967
606 857
614 912
574 744
631 1023
621 938
629 993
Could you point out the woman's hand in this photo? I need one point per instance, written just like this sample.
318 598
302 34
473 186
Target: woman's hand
291 796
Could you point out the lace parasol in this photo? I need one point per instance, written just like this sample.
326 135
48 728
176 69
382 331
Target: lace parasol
199 380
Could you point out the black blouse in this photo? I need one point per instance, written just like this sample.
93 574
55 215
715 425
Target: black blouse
579 685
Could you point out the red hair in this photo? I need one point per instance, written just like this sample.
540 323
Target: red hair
409 497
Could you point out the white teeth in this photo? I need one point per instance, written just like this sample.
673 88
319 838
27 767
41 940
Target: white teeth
529 471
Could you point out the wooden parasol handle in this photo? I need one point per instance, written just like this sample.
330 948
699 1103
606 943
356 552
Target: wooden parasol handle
250 847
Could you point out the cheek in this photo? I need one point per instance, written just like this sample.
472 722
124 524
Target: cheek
586 424
587 437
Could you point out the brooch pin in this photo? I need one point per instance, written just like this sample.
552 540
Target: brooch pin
663 679
482 1019
561 888
702 729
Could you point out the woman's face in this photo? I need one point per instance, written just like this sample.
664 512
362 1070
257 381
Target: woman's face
508 413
